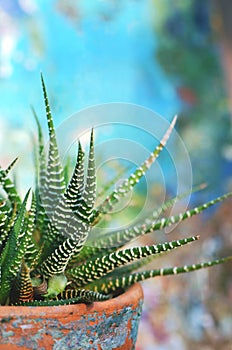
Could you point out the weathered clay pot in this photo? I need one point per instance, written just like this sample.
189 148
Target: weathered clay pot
108 325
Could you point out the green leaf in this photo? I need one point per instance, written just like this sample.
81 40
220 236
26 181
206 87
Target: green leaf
127 185
110 242
95 269
110 285
40 165
59 258
13 252
54 183
71 216
75 189
71 296
170 202
9 186
119 238
5 215
23 290
89 195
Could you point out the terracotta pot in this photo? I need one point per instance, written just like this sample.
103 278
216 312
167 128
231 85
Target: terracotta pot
107 325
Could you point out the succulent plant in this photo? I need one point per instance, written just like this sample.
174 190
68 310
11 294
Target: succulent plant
50 254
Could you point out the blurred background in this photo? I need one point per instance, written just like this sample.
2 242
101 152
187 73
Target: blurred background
173 57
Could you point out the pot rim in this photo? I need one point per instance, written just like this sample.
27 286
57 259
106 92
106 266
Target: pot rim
129 297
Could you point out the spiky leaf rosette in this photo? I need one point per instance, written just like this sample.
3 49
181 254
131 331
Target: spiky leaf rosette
50 253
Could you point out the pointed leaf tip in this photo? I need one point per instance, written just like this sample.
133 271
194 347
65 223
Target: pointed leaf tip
48 111
169 131
41 76
92 137
79 145
11 165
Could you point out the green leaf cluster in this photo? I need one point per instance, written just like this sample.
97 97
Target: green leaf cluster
49 251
